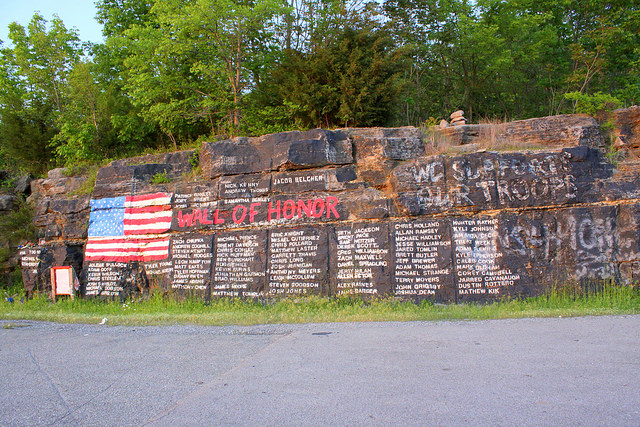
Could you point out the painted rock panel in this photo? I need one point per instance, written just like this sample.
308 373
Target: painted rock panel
240 264
31 264
191 256
482 269
360 212
298 261
113 279
423 260
361 260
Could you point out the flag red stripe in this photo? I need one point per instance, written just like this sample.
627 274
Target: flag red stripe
145 231
111 258
140 252
128 258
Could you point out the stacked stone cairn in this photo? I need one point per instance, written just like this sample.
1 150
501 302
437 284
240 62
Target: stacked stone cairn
457 118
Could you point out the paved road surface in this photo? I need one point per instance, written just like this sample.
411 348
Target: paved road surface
575 371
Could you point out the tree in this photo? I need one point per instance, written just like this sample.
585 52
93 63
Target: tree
117 16
190 67
32 89
490 57
99 122
344 77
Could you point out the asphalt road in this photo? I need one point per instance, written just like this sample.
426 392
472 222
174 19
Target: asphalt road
574 371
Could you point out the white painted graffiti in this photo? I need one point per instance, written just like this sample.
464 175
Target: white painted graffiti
499 180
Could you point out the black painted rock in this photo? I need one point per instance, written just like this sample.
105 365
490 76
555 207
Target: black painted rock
288 150
298 262
113 280
240 264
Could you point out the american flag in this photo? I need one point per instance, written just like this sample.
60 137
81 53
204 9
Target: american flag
126 228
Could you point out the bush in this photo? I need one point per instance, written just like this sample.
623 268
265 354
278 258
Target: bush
160 178
594 105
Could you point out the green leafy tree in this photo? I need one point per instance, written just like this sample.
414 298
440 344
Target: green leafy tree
191 65
33 79
98 122
491 58
344 77
117 16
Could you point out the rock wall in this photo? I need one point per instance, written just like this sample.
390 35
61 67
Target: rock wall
354 211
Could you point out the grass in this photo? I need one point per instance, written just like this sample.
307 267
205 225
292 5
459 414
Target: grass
89 184
158 310
490 135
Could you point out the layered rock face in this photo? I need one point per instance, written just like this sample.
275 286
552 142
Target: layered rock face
354 211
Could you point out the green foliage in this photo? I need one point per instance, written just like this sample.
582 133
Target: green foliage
117 16
196 170
593 105
265 119
347 79
603 298
16 227
12 284
194 160
6 184
91 173
190 66
160 178
599 105
33 79
173 71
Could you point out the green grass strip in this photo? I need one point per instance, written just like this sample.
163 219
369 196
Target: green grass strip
159 310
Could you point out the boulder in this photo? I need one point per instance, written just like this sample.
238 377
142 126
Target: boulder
7 202
280 151
57 186
378 150
57 173
627 128
127 176
22 185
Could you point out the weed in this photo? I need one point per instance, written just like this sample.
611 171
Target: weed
196 170
488 135
435 142
194 160
160 178
17 225
7 184
89 184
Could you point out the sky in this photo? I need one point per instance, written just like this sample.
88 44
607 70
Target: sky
74 13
